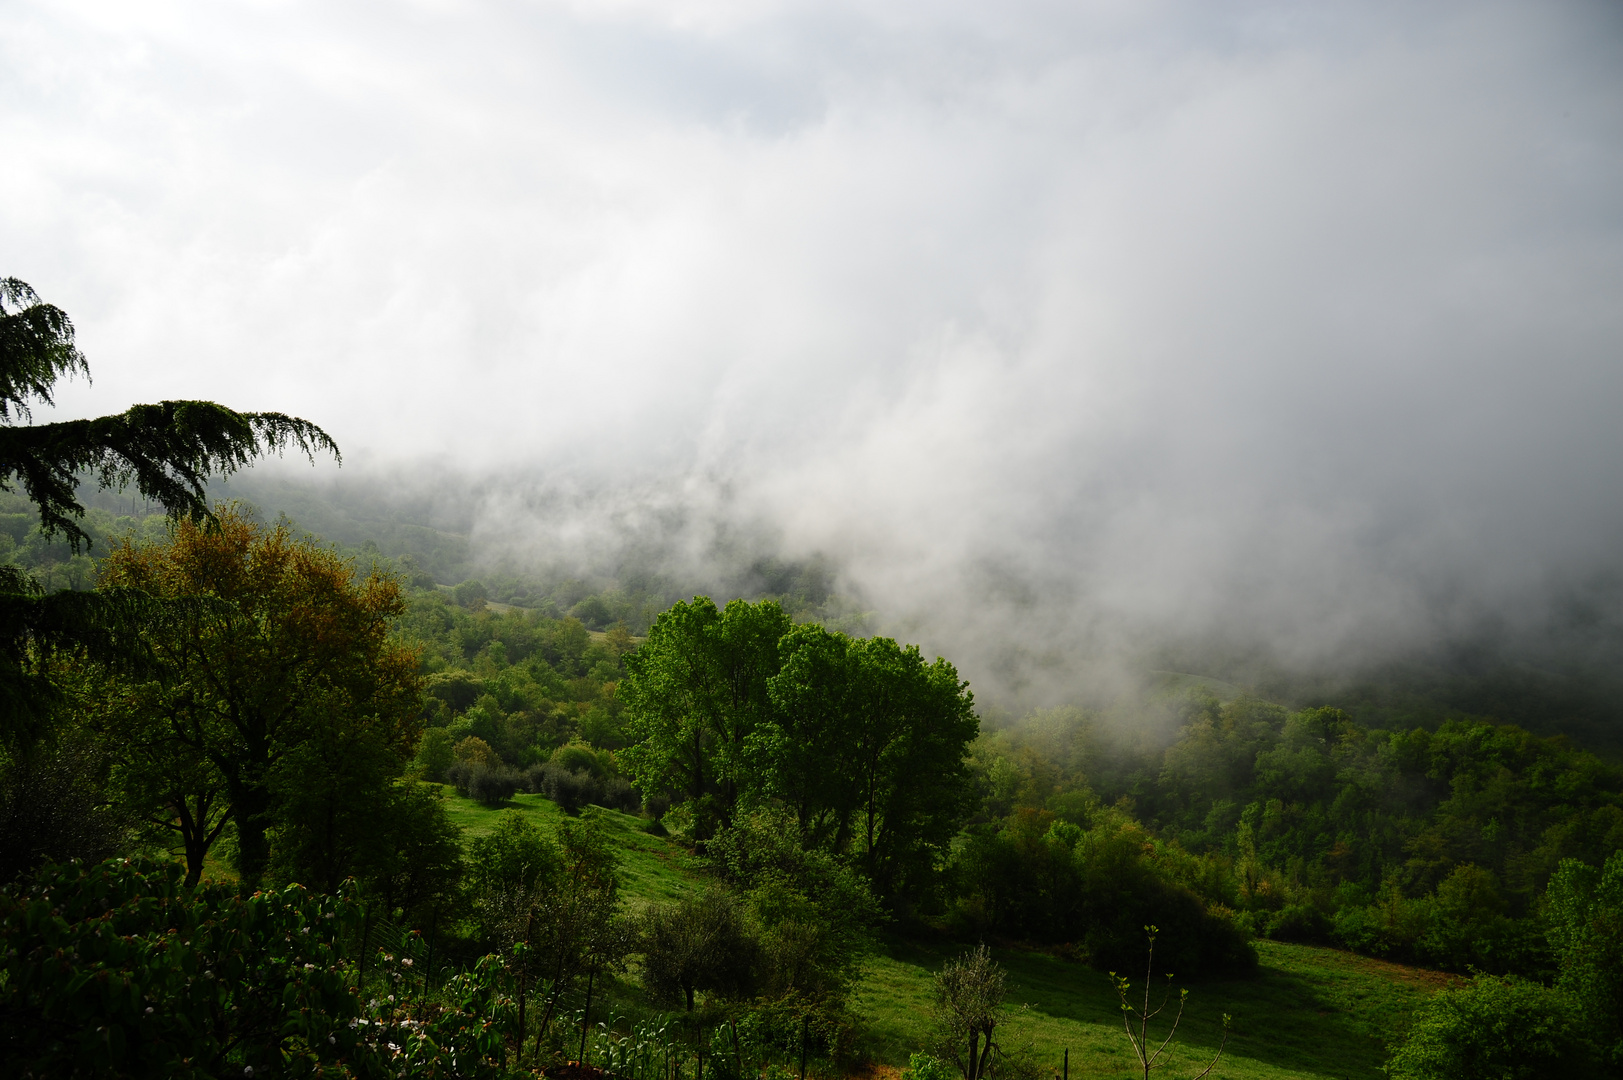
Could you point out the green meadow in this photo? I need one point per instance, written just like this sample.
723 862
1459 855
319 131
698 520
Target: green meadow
1309 1013
652 868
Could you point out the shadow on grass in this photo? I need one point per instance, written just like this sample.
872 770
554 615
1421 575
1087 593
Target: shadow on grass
1306 1011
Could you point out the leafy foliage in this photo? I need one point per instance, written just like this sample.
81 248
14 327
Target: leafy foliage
295 684
125 969
1421 846
1584 910
1495 1026
969 995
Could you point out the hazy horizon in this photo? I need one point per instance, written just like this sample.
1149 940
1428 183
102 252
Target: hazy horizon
1058 330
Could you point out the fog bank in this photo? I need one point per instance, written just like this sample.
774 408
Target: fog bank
1061 331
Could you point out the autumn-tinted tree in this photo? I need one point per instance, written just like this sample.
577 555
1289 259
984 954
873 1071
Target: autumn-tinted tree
298 656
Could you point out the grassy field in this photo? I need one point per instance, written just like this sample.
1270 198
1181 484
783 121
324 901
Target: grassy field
1309 1012
651 867
1314 1014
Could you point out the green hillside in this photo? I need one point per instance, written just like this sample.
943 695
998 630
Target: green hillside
652 868
1308 1012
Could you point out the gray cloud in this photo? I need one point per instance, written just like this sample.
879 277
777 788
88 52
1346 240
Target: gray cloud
1058 325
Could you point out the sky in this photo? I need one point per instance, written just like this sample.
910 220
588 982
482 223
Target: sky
1054 325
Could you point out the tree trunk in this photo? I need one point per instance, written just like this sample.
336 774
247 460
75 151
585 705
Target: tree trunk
586 1013
251 803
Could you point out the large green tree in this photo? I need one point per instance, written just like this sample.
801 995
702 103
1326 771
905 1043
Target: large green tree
695 693
863 740
912 721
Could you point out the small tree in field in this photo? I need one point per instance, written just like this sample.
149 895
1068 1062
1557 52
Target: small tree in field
969 1006
1150 1059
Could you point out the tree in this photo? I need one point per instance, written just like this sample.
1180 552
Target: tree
911 724
803 754
815 912
1149 1058
695 692
1584 913
300 653
575 925
699 943
1498 1027
167 451
968 1009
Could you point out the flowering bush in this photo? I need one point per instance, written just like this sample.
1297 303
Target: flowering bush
122 969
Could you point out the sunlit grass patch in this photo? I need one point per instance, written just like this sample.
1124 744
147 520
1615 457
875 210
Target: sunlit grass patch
1310 1013
652 868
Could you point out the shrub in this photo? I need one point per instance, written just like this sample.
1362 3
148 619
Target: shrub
1499 1027
475 751
471 594
698 944
926 1067
578 757
618 794
569 789
1301 923
435 754
491 786
1584 911
169 980
968 1009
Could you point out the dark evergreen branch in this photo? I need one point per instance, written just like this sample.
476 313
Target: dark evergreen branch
166 451
36 344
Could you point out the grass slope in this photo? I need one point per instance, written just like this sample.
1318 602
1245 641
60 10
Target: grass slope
1314 1014
1309 1013
652 868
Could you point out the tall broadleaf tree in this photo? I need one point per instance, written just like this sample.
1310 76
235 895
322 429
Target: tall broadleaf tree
166 451
695 694
295 694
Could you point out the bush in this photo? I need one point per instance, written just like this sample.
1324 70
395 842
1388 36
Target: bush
578 757
618 794
701 943
435 754
1302 923
169 980
925 1067
473 750
1034 877
491 786
569 789
1496 1027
